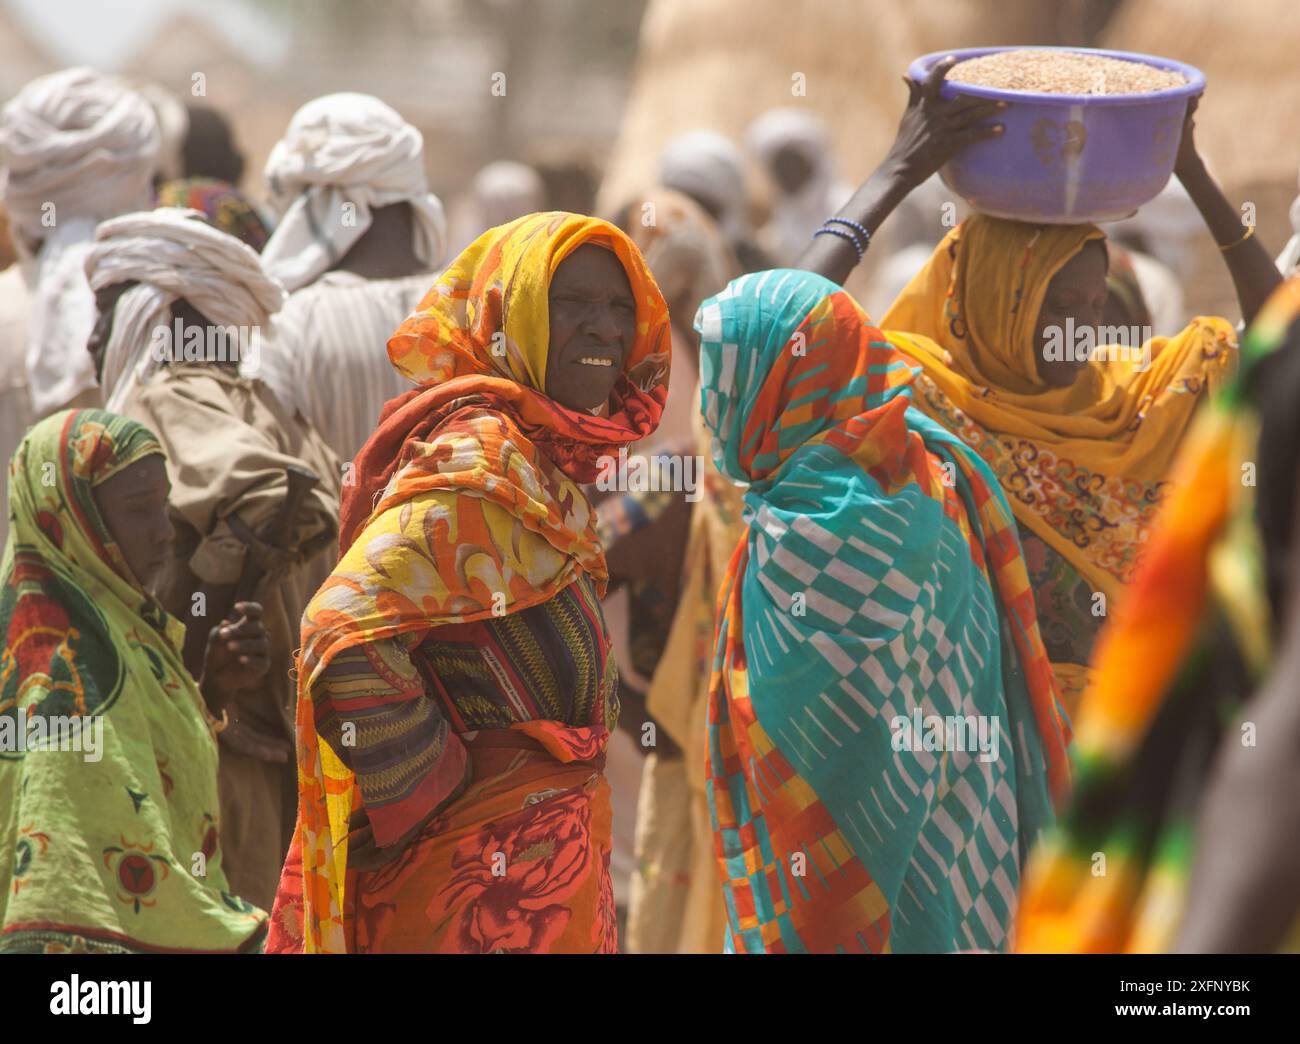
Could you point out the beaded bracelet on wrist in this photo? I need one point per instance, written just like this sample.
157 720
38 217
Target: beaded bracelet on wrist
858 230
846 236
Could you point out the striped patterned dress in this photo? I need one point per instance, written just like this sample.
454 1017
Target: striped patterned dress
411 698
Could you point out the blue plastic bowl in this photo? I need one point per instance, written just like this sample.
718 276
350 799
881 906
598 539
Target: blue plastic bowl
1066 159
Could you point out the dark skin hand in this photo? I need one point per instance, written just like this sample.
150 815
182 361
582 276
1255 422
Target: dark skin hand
932 131
593 327
133 505
236 619
365 854
237 658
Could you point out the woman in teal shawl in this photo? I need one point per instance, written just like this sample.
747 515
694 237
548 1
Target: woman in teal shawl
108 756
884 740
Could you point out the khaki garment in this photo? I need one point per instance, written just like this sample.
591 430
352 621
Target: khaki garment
228 441
677 904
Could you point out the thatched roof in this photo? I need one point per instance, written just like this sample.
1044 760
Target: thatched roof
721 63
1248 123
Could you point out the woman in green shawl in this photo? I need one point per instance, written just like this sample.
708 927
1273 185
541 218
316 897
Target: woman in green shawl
108 756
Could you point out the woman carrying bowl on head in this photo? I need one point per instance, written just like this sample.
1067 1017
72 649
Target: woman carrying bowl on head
1081 448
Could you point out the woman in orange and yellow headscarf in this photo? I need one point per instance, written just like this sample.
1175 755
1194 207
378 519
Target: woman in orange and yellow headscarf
456 690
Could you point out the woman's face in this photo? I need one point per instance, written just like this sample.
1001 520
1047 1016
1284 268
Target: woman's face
1076 298
593 327
133 505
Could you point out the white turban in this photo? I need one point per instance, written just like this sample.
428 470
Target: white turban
173 253
708 167
77 147
783 128
342 155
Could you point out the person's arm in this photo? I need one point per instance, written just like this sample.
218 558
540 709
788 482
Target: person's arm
1244 894
932 131
1254 276
372 710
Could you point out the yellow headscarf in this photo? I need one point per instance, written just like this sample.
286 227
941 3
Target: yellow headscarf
1082 465
467 503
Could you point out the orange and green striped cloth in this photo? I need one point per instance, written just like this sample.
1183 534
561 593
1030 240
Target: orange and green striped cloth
1187 646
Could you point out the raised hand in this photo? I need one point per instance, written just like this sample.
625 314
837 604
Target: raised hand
934 128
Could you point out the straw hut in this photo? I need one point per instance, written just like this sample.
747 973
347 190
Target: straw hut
1249 121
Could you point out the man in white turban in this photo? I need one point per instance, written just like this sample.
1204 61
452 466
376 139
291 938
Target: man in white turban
358 246
791 146
342 156
182 304
77 147
146 262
